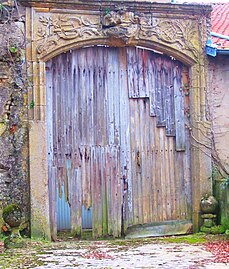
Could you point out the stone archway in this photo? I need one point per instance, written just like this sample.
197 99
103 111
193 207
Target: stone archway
176 30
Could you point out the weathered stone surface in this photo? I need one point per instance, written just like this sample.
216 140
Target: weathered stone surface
159 229
218 99
222 194
12 215
14 184
208 204
39 184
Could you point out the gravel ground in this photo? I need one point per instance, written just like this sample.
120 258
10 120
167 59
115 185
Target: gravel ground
111 254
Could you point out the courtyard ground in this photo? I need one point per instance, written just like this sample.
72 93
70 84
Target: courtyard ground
190 252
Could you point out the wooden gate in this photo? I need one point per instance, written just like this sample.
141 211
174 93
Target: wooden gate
117 140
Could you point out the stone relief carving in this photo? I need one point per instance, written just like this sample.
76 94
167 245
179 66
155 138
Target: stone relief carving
117 24
121 24
54 28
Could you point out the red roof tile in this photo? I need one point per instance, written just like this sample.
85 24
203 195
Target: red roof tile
220 24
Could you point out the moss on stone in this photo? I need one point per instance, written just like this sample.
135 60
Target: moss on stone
12 215
8 209
221 190
225 222
219 229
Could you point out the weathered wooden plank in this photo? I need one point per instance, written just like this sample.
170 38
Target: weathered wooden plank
105 98
99 98
118 194
132 73
113 192
81 95
133 159
103 192
110 100
57 123
71 111
87 202
137 73
152 149
152 71
99 201
152 164
116 97
93 194
96 202
83 174
182 187
178 190
76 205
138 160
167 180
163 173
146 73
125 140
90 87
187 177
159 101
67 109
172 184
148 181
51 169
53 199
169 100
75 130
141 71
179 110
109 191
158 190
144 115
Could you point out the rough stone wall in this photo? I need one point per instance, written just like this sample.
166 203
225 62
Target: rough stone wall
218 98
14 179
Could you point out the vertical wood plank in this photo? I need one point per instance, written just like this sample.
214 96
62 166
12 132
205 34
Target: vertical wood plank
133 139
76 206
179 110
160 93
169 101
51 169
152 83
125 139
132 73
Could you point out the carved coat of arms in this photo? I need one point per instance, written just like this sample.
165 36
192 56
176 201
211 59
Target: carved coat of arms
121 24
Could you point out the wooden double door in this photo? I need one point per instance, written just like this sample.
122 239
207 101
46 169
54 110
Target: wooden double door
117 142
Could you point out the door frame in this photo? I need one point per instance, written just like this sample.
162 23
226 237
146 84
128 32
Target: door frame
46 40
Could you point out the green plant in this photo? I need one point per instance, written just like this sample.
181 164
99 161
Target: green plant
13 49
107 11
213 230
32 104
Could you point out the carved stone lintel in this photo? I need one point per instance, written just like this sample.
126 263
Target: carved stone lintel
56 28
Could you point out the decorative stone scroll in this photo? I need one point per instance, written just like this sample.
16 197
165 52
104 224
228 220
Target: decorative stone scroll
55 29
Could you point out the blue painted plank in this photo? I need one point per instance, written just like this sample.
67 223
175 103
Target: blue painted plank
63 214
